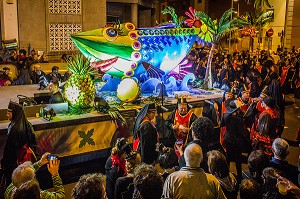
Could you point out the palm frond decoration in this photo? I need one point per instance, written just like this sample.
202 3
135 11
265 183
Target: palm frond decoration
213 31
258 3
181 20
171 11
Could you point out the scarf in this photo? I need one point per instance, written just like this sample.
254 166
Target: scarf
117 161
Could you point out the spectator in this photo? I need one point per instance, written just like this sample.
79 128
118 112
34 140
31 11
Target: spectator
270 190
191 181
250 189
218 167
56 95
38 74
115 165
291 188
67 75
90 186
55 75
64 58
148 184
257 162
20 136
202 129
234 139
26 172
5 77
145 134
167 161
30 189
280 149
124 185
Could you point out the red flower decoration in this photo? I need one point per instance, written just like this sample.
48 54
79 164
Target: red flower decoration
193 21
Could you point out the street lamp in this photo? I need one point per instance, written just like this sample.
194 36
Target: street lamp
231 19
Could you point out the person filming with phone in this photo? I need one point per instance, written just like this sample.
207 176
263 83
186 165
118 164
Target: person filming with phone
26 172
179 123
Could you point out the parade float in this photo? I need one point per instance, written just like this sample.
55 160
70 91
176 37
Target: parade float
137 66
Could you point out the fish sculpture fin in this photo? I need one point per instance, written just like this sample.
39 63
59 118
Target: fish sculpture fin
153 71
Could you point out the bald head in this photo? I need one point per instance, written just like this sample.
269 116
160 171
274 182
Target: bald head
193 155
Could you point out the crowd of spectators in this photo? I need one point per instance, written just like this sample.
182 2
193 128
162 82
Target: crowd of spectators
231 69
127 177
201 169
29 69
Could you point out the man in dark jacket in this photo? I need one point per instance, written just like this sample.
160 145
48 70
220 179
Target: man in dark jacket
280 149
202 130
232 119
56 95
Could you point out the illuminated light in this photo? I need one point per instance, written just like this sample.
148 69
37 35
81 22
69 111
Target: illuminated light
136 56
130 26
133 66
127 90
72 94
133 35
129 73
136 45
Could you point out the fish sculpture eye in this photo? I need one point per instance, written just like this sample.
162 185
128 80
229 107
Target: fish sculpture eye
110 34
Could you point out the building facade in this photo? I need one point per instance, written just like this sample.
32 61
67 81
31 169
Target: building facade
46 25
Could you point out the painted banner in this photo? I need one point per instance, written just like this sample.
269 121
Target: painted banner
71 140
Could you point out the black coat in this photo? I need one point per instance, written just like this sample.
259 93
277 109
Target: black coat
56 98
112 174
205 148
124 188
147 134
20 132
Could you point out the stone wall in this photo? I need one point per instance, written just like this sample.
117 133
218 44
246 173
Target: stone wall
35 19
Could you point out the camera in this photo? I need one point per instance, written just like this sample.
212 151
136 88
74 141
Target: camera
51 157
179 142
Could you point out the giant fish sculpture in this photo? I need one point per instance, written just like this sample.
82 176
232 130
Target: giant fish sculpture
124 51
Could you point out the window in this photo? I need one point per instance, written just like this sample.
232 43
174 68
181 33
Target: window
59 36
64 6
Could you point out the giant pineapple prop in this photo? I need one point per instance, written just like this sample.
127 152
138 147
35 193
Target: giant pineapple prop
79 88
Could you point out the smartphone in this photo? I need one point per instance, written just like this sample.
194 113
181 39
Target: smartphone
52 156
179 142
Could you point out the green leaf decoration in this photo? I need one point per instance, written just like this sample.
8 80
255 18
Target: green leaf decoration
79 65
171 11
86 138
257 20
258 3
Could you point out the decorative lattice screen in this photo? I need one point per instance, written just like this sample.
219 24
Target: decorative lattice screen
59 35
64 6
